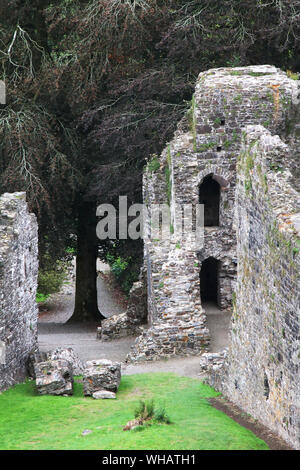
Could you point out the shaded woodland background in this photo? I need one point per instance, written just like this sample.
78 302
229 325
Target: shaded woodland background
94 89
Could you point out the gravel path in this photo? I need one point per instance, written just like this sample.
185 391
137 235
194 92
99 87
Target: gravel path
54 332
59 307
82 338
186 366
218 323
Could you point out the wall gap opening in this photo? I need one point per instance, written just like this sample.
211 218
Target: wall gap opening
209 281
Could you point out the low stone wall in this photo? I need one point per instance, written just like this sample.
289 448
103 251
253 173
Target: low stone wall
127 323
262 368
18 284
212 368
176 318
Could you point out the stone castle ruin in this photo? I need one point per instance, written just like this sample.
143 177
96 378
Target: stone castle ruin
261 373
236 152
200 166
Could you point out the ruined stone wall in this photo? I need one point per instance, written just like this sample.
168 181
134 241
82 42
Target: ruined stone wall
262 373
18 283
207 142
127 323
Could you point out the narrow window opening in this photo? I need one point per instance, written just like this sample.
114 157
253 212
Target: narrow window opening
209 195
266 387
219 148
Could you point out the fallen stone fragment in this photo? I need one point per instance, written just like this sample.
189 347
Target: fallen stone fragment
66 354
34 358
117 326
127 323
103 394
85 432
69 355
101 374
213 361
133 424
54 377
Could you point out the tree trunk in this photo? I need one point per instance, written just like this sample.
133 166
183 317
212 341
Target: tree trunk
86 308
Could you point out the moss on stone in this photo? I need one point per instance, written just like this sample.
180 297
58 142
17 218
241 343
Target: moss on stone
192 121
153 164
168 176
292 75
206 147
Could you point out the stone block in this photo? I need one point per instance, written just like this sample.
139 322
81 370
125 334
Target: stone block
103 394
69 355
34 358
117 326
101 375
66 354
127 323
54 377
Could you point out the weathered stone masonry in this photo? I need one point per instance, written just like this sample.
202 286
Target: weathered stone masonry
205 145
262 368
18 283
127 323
228 136
242 135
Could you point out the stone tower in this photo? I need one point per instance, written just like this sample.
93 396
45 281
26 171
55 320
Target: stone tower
199 167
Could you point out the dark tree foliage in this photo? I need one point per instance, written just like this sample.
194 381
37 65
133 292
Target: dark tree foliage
149 81
141 107
107 82
37 145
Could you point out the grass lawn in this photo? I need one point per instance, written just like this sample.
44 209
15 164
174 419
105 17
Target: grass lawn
30 421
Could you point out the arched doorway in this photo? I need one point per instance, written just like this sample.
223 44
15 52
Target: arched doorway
209 195
209 281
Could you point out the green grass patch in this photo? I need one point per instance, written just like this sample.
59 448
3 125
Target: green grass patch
259 74
30 422
206 147
41 297
292 75
235 72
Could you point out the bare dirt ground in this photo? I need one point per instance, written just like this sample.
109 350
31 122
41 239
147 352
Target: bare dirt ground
272 440
218 323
